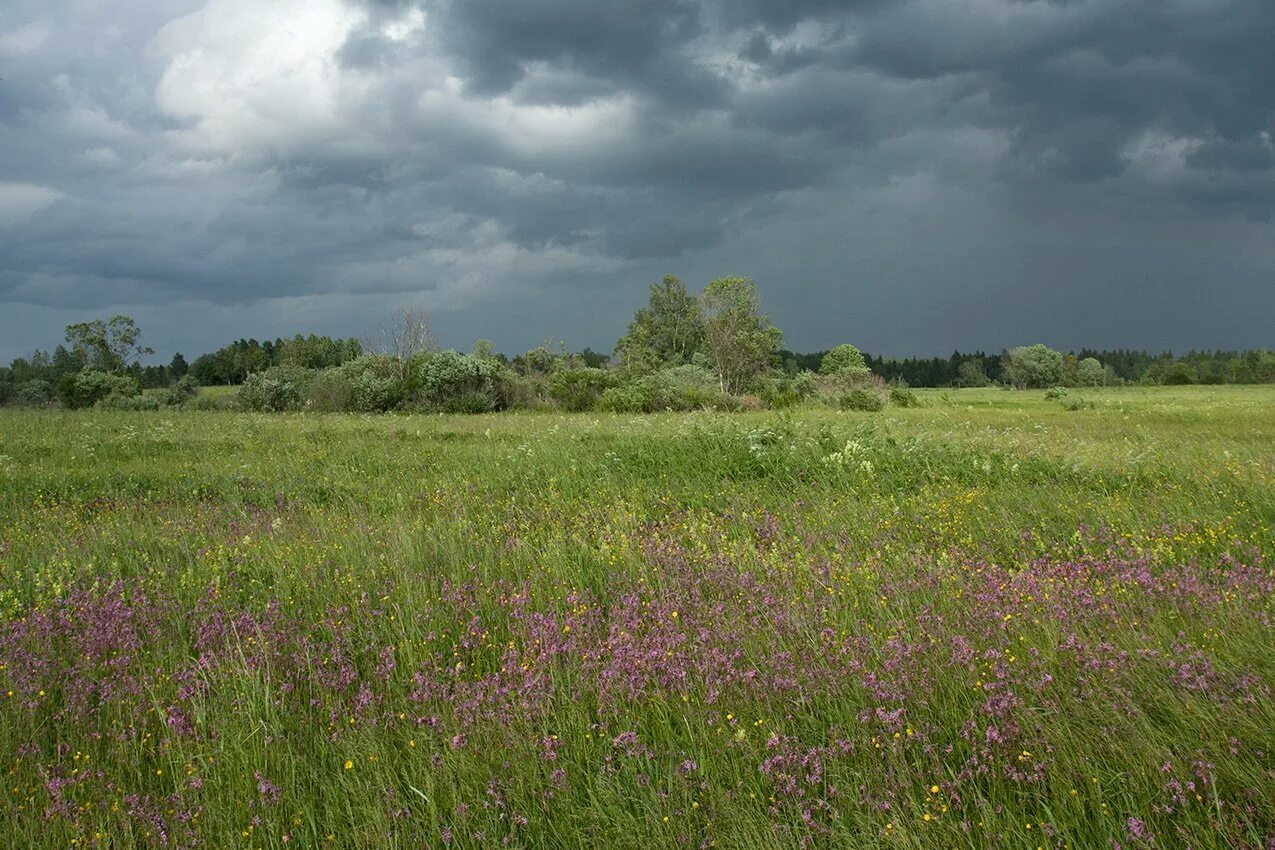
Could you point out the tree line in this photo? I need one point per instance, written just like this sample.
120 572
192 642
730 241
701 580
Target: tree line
682 350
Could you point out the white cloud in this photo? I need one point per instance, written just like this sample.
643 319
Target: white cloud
25 39
256 77
105 157
20 201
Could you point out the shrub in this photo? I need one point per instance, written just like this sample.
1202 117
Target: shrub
862 399
626 398
1033 367
330 392
33 393
119 401
372 383
1056 393
182 392
1090 372
1074 403
843 358
579 389
903 397
277 389
204 401
781 393
456 383
470 401
521 392
89 386
685 387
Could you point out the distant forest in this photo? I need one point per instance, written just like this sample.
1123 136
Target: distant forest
682 351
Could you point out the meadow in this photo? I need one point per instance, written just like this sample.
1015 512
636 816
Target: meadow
988 621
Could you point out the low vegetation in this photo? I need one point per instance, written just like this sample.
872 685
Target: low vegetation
714 351
977 621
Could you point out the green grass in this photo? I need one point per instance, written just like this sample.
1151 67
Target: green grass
768 589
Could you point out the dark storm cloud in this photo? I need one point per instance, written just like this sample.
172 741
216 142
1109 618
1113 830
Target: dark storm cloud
913 174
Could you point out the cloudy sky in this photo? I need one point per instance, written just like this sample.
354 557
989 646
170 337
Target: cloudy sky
909 175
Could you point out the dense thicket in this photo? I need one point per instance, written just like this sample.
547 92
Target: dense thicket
682 351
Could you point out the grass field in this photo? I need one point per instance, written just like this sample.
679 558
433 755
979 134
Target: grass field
986 622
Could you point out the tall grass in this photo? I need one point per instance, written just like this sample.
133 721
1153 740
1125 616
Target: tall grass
987 621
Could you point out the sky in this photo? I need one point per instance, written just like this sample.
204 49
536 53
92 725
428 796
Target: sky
912 176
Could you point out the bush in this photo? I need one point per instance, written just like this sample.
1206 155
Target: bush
579 389
843 358
205 402
372 384
330 392
89 386
276 389
1076 404
1033 367
521 392
782 393
903 397
1090 372
452 382
686 387
862 399
1056 393
182 392
626 398
679 388
119 401
33 393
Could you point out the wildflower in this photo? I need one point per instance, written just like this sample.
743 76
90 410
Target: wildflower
348 764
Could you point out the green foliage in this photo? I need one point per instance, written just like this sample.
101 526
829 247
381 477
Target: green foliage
1075 403
1056 393
120 401
278 389
740 342
33 393
970 374
182 392
1033 366
107 344
1090 372
453 382
843 358
667 332
90 386
579 389
679 388
374 384
903 397
862 399
317 352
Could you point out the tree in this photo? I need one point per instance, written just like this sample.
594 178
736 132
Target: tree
178 367
107 344
970 374
403 337
843 358
1090 373
1033 366
666 332
739 340
484 349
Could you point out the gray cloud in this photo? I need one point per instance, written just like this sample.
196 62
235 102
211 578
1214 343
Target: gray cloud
911 175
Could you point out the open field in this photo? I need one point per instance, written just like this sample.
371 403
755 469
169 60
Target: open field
986 622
